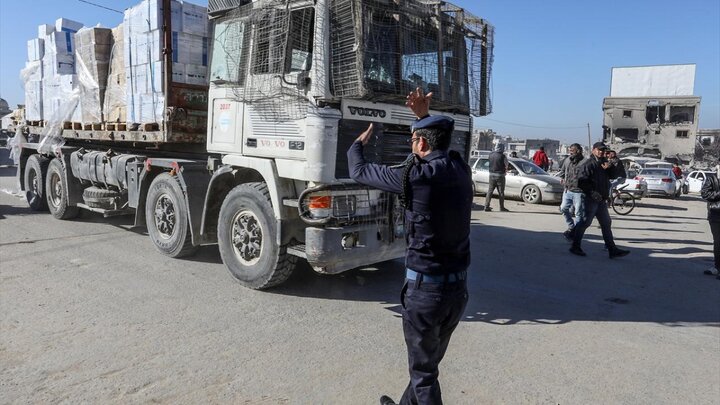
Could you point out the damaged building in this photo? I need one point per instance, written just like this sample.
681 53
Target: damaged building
652 112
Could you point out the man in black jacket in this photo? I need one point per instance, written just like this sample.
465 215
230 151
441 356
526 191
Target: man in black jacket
498 166
594 180
436 189
711 193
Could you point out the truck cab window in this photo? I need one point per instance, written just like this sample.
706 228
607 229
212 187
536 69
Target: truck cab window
227 64
300 40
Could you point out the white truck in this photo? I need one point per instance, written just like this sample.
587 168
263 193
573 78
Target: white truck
256 161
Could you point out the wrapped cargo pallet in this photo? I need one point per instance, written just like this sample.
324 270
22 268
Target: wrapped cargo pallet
92 56
143 51
114 103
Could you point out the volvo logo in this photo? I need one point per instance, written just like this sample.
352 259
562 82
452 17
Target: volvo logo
367 112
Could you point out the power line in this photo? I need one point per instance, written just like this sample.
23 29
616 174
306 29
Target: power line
101 6
531 126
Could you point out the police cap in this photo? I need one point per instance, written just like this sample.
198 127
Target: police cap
434 121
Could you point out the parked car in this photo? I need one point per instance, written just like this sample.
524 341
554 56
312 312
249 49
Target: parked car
696 179
524 180
635 185
661 182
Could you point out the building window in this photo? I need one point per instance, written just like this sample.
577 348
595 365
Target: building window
655 114
681 134
627 113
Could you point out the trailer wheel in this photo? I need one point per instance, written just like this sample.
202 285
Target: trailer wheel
35 171
57 192
247 234
167 219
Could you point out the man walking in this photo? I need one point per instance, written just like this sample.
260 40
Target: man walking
594 180
498 166
711 193
436 190
573 200
540 158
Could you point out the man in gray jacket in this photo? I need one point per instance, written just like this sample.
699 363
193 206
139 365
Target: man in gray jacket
573 201
497 168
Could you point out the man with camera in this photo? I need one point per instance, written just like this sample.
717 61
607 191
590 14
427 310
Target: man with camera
594 181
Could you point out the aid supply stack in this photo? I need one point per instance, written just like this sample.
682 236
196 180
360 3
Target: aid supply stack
143 49
78 76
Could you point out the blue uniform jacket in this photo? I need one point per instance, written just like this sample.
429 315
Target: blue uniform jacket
437 230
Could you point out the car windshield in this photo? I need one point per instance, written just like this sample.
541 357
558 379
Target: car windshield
527 167
655 172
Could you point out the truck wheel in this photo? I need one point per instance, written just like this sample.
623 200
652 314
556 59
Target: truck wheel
531 194
35 171
57 192
167 219
247 234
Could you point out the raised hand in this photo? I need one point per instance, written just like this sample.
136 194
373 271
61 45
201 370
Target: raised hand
419 102
365 136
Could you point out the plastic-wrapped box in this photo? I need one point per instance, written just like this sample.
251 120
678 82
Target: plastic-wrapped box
67 25
36 49
58 64
45 30
114 103
194 20
33 70
196 74
33 100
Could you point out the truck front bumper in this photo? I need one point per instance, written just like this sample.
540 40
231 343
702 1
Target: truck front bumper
333 250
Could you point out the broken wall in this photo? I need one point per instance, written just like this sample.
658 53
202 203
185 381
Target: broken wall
659 127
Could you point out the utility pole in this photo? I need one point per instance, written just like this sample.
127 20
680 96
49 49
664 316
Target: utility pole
589 139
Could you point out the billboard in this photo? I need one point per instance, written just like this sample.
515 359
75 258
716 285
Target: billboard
653 81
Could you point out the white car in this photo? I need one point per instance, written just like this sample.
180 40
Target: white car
524 180
661 182
696 179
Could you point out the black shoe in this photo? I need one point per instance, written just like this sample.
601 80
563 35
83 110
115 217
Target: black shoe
503 209
615 252
386 400
577 251
488 209
569 234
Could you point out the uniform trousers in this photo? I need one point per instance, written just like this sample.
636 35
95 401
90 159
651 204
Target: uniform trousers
431 311
715 230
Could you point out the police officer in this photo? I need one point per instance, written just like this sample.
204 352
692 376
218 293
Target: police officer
436 189
594 180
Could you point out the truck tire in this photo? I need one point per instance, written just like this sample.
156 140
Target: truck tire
531 194
35 171
57 192
167 219
247 234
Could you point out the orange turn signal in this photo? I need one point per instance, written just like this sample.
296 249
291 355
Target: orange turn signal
320 202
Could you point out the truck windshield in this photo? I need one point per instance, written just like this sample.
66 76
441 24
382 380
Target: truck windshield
439 48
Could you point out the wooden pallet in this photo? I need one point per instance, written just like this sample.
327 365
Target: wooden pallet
115 126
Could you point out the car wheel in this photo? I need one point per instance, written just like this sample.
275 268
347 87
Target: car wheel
531 194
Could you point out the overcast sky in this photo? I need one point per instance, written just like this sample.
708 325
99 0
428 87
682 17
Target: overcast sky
552 58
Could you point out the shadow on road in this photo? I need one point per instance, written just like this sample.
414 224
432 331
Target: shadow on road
551 286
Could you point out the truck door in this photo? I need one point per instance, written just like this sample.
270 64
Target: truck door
226 77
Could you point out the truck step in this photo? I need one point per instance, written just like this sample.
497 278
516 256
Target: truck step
297 250
288 202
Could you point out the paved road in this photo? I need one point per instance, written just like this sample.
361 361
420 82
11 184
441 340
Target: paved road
91 313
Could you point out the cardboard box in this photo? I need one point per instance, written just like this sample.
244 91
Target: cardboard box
67 25
194 20
196 74
147 16
34 100
114 101
33 71
45 30
60 42
58 64
36 49
191 49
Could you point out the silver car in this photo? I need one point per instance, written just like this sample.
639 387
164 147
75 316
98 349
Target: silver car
661 182
524 180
